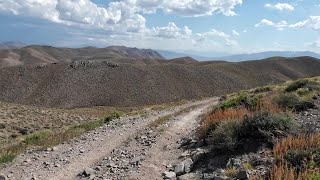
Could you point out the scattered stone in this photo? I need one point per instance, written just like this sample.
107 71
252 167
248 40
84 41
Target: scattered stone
188 165
185 154
221 178
190 176
200 144
87 172
243 175
2 177
179 169
136 160
198 155
233 162
169 175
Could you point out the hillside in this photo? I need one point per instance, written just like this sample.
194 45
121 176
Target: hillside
46 54
92 83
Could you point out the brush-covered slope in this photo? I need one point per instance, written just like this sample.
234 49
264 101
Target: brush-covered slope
81 84
47 54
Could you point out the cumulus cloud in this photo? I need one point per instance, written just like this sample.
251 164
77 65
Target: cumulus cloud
214 34
312 22
171 31
200 8
123 20
87 12
279 25
280 6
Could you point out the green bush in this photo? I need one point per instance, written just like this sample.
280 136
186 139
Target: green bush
5 158
114 115
298 159
302 159
224 136
37 138
265 126
262 89
303 91
296 85
302 83
293 102
315 176
241 99
227 135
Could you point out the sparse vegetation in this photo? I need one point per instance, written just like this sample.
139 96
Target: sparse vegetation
49 138
266 114
265 126
231 172
5 158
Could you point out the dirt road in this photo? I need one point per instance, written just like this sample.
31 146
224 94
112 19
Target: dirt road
67 160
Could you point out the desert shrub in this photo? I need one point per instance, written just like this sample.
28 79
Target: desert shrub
302 83
265 126
114 115
224 136
303 91
296 85
241 99
298 158
315 176
293 102
262 89
7 157
37 138
218 115
88 126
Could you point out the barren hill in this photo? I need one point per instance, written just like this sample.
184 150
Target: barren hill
46 54
103 83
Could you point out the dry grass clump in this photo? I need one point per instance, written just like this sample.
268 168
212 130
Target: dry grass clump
300 142
298 158
218 116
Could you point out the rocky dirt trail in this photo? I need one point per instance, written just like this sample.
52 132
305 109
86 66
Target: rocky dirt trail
67 160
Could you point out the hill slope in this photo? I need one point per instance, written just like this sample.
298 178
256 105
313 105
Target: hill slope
47 54
81 84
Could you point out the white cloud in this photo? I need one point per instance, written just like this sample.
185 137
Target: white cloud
280 6
171 31
235 33
315 44
312 22
200 8
123 21
115 13
265 22
215 35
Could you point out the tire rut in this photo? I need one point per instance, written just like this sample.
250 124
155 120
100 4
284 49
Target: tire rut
150 150
68 159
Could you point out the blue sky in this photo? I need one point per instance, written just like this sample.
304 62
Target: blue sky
207 27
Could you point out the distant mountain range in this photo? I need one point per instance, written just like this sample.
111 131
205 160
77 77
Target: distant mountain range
174 55
268 54
12 45
242 57
37 54
122 51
